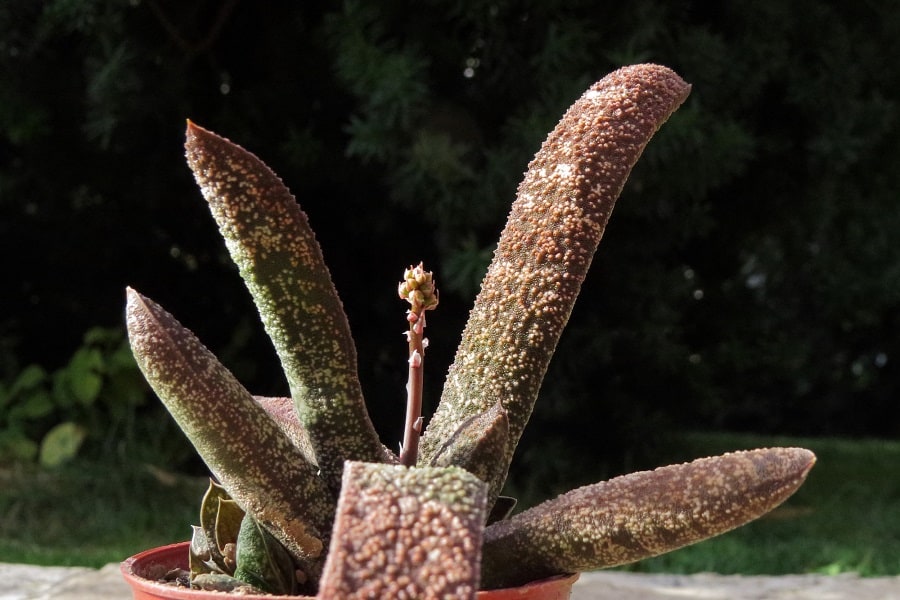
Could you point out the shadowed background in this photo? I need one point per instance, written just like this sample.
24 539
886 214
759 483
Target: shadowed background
749 280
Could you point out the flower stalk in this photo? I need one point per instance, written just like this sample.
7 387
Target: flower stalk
419 290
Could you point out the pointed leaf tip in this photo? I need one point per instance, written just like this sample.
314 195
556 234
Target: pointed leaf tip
270 240
130 293
641 515
193 127
138 310
803 458
192 135
554 227
221 419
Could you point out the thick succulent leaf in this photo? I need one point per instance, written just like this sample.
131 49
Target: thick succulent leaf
243 447
220 519
476 444
405 533
271 242
228 524
284 414
263 562
502 509
641 515
200 556
554 227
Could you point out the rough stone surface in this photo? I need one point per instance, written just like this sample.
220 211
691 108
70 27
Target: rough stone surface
613 585
28 582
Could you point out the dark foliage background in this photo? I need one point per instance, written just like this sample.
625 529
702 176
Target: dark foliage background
749 280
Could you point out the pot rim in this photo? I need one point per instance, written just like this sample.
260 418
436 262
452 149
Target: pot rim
176 555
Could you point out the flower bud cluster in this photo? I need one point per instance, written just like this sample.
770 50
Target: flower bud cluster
418 289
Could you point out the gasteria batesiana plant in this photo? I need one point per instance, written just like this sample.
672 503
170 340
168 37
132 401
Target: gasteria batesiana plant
308 500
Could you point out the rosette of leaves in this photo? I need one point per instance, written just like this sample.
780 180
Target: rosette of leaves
307 496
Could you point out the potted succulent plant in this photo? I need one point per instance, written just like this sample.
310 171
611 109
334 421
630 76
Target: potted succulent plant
307 500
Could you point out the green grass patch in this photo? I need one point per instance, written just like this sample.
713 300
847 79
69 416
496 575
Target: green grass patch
845 518
90 514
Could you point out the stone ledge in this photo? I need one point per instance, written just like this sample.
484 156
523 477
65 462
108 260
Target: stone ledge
613 585
29 582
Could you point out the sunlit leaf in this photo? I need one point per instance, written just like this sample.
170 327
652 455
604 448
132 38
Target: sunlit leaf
61 444
262 561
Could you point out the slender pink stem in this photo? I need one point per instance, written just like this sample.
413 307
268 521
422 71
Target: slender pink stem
412 429
419 290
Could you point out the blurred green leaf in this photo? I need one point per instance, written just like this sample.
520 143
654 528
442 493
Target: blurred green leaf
15 445
86 386
83 375
36 405
30 377
61 444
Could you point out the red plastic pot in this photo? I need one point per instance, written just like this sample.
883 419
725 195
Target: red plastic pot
141 569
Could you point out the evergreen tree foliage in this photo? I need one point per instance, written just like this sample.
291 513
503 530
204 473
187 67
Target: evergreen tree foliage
749 278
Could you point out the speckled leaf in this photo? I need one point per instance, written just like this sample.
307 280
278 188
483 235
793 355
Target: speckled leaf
284 414
243 447
641 515
263 562
554 227
271 242
405 533
476 445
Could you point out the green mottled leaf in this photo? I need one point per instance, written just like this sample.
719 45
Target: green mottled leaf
243 447
262 561
270 240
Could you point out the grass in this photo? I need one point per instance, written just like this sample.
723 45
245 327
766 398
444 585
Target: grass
90 514
846 518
